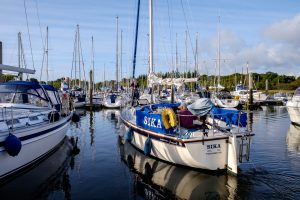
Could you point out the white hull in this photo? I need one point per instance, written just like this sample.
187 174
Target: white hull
192 155
118 103
112 105
212 152
244 95
33 148
79 104
226 103
293 108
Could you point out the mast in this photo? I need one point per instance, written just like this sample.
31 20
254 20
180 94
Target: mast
121 73
136 37
46 51
176 56
78 48
150 37
104 77
93 64
186 59
219 61
117 51
196 56
21 56
19 49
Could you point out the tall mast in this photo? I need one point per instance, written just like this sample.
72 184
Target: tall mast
121 73
19 54
196 56
176 55
75 59
219 56
78 48
104 77
46 50
117 51
93 63
19 49
150 37
186 59
136 37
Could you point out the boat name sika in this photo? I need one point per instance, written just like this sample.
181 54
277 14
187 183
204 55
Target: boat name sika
149 121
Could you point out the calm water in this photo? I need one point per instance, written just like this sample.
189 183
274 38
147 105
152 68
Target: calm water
107 169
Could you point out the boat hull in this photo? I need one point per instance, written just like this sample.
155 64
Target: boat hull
218 153
189 154
79 104
294 111
36 143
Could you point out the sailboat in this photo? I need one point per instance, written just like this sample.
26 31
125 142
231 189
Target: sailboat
293 107
32 124
157 130
114 99
78 91
221 97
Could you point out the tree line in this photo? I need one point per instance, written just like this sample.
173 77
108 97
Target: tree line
263 81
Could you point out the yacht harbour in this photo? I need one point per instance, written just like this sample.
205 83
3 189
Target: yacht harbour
149 100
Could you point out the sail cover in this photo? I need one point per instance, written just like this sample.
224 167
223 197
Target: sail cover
201 107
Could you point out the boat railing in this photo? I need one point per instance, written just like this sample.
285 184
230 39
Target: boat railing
12 117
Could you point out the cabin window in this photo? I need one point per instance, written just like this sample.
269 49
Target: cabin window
52 97
13 121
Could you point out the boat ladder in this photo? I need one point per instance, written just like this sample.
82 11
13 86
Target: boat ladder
244 149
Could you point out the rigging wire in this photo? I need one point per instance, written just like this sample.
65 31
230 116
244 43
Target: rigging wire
171 38
42 38
187 27
40 28
80 53
29 34
43 59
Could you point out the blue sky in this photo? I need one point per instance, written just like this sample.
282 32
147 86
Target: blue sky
263 33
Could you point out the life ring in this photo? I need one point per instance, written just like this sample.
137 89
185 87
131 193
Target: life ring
236 97
169 118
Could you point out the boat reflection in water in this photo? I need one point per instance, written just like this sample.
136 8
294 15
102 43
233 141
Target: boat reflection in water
48 177
112 114
293 138
156 179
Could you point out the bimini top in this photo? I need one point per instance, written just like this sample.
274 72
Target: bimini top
22 84
22 88
48 87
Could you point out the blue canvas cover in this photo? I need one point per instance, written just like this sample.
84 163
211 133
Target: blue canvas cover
146 119
230 116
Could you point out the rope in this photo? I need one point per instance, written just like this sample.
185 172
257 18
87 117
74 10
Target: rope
38 16
29 34
187 26
41 34
171 38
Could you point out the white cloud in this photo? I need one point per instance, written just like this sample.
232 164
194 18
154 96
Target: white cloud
285 31
277 51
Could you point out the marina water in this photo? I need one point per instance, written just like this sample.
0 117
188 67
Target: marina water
105 167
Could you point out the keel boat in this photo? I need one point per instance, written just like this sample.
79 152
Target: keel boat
31 124
157 130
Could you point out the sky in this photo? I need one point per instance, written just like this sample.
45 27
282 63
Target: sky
264 34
